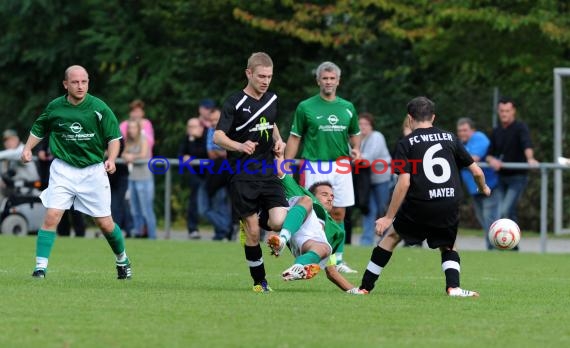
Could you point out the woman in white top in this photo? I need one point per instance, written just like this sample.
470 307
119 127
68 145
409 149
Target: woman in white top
141 182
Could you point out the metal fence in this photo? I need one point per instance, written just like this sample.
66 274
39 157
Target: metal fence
544 169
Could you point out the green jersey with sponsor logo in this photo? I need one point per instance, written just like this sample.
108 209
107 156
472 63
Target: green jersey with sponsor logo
78 134
325 127
333 231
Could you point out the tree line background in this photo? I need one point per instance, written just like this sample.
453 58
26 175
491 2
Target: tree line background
173 53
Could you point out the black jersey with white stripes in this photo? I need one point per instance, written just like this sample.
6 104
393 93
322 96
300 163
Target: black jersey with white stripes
246 118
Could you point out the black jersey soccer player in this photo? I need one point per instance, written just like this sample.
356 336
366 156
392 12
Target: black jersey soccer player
425 203
248 131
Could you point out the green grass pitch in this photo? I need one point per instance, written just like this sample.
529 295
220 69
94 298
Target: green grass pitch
198 294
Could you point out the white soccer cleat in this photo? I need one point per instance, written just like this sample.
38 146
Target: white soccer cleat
458 292
298 271
295 272
344 268
276 244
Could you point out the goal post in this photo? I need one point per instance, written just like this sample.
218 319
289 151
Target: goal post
559 74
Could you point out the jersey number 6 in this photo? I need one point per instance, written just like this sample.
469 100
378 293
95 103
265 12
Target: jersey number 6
429 161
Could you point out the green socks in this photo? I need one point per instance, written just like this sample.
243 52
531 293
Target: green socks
44 243
45 240
340 249
308 258
295 218
117 242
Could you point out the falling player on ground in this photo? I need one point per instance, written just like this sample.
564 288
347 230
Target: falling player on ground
310 232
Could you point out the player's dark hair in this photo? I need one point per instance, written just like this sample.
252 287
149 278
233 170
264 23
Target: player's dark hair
506 100
314 186
421 109
368 117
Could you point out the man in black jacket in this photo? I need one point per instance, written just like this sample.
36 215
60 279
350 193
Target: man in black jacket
193 145
510 142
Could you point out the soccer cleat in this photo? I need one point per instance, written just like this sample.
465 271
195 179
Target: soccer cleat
276 244
458 292
39 273
311 270
124 270
343 268
262 287
298 271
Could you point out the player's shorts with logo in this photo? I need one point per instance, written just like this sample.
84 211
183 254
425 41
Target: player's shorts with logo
87 189
250 197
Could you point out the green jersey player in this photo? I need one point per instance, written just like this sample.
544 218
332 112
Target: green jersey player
310 232
80 128
326 123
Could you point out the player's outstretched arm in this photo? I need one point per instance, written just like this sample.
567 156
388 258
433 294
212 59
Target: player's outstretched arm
479 179
337 279
27 151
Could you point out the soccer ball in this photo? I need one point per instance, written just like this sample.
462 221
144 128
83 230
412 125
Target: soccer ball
504 234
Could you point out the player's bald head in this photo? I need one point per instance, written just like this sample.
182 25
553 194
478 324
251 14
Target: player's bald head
74 68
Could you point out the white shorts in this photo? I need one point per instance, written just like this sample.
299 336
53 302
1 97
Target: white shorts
342 183
87 189
311 229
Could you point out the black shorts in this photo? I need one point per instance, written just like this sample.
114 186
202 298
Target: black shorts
249 197
415 233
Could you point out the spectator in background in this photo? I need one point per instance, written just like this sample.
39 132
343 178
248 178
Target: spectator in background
213 201
137 113
10 157
477 144
193 145
141 182
510 142
77 220
120 206
205 109
372 148
12 150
